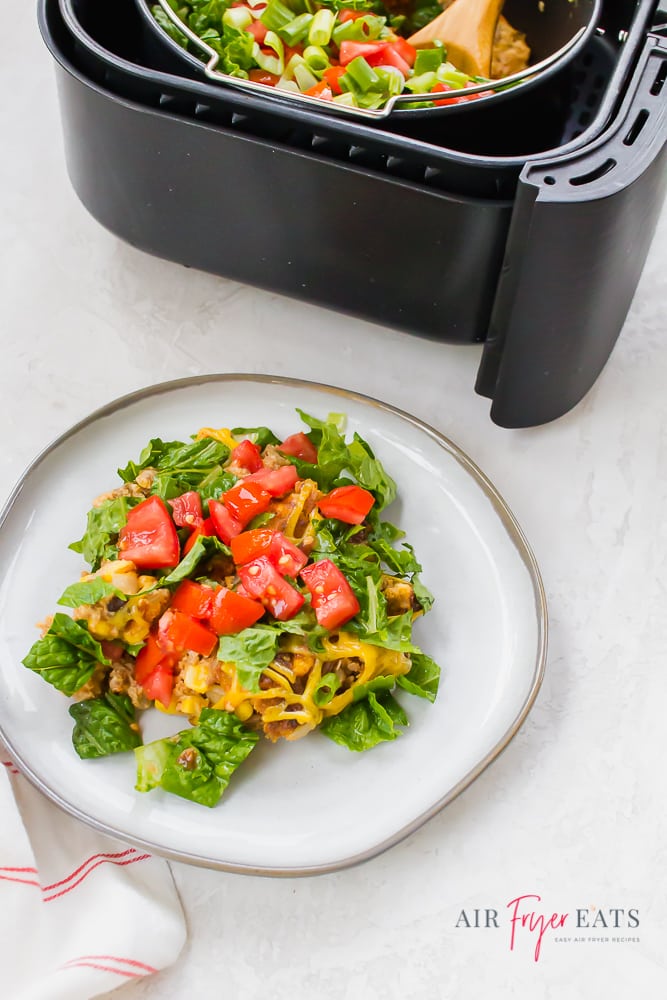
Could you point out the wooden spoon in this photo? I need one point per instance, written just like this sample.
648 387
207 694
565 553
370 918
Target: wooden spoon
466 29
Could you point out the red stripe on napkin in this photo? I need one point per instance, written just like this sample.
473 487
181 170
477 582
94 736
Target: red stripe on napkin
103 860
24 881
103 968
120 858
109 958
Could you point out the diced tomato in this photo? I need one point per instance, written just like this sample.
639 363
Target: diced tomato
277 482
263 75
299 445
251 544
177 632
149 538
461 97
286 557
321 90
350 15
350 50
233 612
245 501
224 522
247 455
389 57
261 580
332 76
205 528
332 598
405 50
187 510
258 30
159 685
193 599
349 504
149 657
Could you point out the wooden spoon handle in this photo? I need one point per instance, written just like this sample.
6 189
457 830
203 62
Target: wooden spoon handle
466 28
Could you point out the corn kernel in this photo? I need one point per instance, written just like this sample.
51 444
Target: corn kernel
244 711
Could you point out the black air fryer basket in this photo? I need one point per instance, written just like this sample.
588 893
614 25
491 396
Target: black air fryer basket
523 226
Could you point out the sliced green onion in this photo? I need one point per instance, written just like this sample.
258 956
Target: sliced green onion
237 17
304 77
422 84
363 75
362 29
288 85
347 100
276 15
295 60
392 82
326 690
320 30
316 58
427 61
272 64
296 30
449 74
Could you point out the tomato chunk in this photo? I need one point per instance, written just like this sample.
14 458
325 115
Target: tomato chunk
277 482
177 632
149 538
245 501
246 453
224 522
187 510
299 445
193 599
286 557
349 504
206 528
159 685
332 598
148 657
350 50
261 580
232 612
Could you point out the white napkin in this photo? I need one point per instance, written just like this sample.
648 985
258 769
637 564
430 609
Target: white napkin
80 914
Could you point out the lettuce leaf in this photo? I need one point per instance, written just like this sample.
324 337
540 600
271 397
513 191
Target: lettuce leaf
335 458
196 763
181 466
261 436
104 726
102 526
67 655
423 677
367 722
205 546
251 650
88 592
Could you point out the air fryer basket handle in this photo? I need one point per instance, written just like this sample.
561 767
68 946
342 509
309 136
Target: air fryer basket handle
580 232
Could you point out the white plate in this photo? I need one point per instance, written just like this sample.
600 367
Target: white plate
310 806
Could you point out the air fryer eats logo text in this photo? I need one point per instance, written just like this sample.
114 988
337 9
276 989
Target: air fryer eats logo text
526 918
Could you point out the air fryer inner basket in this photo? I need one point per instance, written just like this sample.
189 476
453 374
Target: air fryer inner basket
501 136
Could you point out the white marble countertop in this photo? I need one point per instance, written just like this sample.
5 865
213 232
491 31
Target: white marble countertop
574 810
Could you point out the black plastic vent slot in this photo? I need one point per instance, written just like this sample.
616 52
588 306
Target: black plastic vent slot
660 78
594 175
636 127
